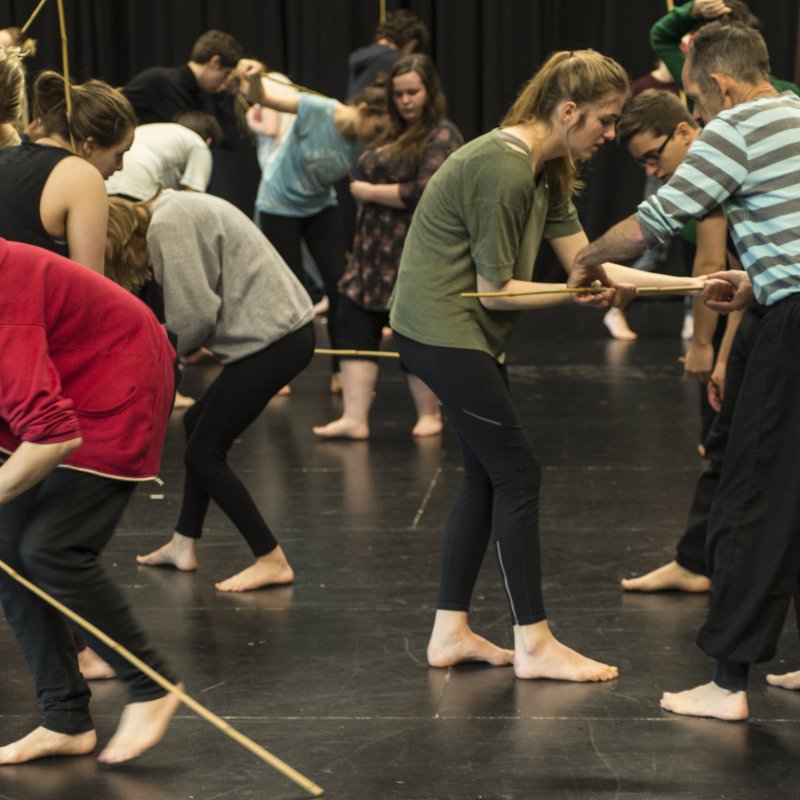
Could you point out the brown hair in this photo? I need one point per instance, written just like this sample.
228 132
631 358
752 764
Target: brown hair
205 125
216 43
127 258
98 110
400 27
407 141
652 110
584 76
373 96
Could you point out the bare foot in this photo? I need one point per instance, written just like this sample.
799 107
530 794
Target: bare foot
466 648
178 552
671 576
343 428
789 680
44 743
322 307
284 391
141 727
617 325
454 642
708 700
427 425
270 570
538 654
92 667
183 401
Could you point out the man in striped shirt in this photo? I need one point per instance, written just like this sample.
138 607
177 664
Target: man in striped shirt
747 160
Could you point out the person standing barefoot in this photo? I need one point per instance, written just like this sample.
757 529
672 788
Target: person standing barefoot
479 225
260 329
87 389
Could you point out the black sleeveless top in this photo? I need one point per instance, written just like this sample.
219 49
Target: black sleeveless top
24 171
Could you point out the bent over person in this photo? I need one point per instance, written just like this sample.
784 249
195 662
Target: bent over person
747 160
86 385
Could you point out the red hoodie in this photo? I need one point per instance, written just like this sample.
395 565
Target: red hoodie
80 356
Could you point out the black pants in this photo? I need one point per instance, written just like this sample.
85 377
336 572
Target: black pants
232 402
53 535
324 237
691 550
499 497
753 539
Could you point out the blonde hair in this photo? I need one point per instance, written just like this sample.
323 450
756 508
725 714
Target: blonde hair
584 76
12 86
127 258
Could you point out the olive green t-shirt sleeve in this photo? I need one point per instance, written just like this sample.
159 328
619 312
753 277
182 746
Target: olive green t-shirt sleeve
497 207
562 220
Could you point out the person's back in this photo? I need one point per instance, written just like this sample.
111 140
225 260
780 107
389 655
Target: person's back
24 170
163 154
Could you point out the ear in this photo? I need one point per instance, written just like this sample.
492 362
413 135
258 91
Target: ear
568 113
88 145
683 131
362 108
724 83
215 61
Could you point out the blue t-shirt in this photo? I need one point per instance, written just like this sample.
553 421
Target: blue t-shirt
299 180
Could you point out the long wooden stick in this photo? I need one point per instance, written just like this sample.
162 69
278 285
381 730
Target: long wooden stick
199 709
586 290
321 351
32 17
62 24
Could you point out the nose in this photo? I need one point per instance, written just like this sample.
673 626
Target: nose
650 170
610 133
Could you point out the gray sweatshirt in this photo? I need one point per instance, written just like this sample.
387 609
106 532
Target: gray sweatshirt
225 286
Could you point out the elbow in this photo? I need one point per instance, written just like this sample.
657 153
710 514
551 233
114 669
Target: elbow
491 303
70 446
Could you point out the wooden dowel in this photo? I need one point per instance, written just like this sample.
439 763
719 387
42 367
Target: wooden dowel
321 351
199 709
24 28
586 290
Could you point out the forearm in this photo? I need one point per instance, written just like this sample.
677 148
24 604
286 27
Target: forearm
29 464
384 194
705 322
727 340
522 302
665 39
622 242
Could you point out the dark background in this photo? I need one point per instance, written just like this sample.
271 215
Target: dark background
484 50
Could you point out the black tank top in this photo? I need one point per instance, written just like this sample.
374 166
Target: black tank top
24 171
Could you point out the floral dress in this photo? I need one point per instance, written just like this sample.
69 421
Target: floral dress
381 230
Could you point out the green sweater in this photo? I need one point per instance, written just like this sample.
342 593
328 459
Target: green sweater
665 39
481 214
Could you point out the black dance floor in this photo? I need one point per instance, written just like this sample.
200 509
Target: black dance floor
330 674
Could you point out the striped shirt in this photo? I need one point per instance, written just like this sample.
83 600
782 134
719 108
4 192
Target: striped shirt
747 160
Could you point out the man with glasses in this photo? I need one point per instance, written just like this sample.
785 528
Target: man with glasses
658 131
747 160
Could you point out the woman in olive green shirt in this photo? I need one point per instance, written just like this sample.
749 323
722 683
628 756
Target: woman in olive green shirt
479 225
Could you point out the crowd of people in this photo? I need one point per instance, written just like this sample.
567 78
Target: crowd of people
112 259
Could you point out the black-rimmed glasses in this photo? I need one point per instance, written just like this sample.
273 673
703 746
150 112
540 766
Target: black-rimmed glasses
651 159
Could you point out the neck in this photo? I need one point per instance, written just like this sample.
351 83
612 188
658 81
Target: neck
386 43
344 117
743 92
55 139
543 140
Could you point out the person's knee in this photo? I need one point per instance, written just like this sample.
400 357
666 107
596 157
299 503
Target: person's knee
203 463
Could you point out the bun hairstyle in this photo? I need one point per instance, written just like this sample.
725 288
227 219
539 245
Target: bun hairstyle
98 110
26 46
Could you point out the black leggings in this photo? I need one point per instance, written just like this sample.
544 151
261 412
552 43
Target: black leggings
231 404
324 237
500 493
53 534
